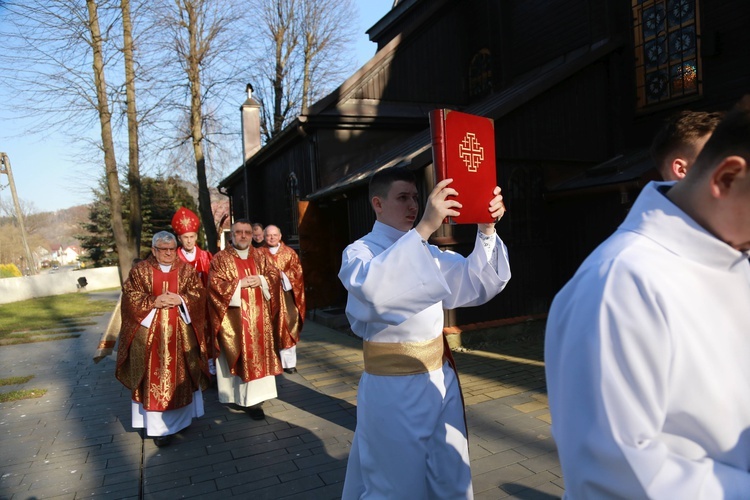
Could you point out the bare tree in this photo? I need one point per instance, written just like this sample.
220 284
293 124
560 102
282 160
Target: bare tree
134 175
58 57
324 34
125 249
279 18
205 38
305 43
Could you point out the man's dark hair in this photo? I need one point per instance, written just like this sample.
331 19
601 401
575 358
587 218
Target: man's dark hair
257 224
731 138
380 183
680 130
242 221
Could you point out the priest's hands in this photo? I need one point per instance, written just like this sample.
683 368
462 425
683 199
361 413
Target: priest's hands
250 281
438 208
167 299
497 209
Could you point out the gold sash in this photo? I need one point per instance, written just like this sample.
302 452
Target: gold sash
407 358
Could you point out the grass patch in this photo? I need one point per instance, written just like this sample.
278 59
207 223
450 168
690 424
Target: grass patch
23 394
15 380
50 313
30 339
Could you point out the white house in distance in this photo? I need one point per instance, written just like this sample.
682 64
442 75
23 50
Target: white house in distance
65 255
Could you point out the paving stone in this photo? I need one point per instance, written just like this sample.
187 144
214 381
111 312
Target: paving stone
332 491
496 478
291 487
515 485
81 428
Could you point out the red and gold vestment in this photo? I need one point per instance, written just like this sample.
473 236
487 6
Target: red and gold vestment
165 364
245 334
294 306
201 264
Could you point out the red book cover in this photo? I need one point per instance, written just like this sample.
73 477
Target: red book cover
463 148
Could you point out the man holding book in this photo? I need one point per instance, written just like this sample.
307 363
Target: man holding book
410 440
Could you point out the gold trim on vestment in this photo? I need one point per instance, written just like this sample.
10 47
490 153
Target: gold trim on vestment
403 358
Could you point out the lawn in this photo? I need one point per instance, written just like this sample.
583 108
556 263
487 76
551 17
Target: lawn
43 319
49 318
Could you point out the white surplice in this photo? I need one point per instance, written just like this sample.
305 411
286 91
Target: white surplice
410 440
648 362
165 423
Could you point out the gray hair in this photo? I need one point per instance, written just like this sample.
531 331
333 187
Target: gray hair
163 236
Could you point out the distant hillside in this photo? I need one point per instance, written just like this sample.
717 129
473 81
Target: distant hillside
61 226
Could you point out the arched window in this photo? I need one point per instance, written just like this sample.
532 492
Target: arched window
480 73
667 55
292 190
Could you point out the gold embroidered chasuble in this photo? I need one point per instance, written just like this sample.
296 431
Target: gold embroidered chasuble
201 264
245 334
165 364
293 306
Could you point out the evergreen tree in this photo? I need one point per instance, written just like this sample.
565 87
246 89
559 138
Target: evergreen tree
160 199
98 240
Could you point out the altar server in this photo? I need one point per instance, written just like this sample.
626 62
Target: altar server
647 346
410 440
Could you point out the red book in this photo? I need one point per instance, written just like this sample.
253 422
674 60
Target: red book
463 148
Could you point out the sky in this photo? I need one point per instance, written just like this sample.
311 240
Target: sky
48 178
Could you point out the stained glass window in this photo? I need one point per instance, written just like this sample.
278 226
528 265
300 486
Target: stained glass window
667 61
480 73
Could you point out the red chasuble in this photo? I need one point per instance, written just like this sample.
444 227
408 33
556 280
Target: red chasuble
245 334
165 364
294 305
202 263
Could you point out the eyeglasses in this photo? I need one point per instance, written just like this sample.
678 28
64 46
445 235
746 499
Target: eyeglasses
168 249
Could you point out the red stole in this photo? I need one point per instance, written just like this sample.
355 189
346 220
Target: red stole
162 341
247 267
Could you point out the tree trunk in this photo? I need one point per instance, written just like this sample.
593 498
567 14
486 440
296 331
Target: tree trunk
110 163
196 129
134 175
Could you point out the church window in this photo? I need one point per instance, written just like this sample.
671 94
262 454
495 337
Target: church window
667 56
292 197
480 74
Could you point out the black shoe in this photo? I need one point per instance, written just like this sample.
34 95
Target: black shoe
290 370
162 441
256 413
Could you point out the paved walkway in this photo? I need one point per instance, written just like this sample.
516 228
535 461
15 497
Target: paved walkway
76 441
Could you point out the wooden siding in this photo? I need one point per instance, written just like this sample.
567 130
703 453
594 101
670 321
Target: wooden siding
360 214
569 122
444 46
270 201
441 48
577 123
725 43
344 151
541 30
238 197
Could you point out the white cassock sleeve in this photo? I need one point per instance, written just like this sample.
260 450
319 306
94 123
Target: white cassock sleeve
474 280
410 275
608 357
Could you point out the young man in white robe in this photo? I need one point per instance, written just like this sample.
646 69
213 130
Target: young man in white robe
410 440
647 346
